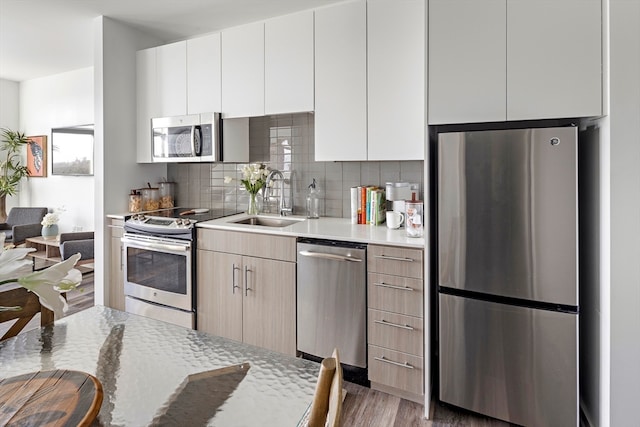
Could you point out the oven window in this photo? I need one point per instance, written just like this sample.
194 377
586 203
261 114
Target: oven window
157 270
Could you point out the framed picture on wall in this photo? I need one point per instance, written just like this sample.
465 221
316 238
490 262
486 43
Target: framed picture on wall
72 150
37 156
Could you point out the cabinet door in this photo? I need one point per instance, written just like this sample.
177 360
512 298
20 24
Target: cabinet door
269 309
204 82
396 79
554 57
116 273
467 61
172 79
146 101
219 308
288 63
341 82
243 71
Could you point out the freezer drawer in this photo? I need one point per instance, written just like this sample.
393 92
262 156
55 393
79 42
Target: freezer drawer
513 363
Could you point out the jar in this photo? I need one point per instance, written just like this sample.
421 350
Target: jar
413 218
135 202
150 199
166 194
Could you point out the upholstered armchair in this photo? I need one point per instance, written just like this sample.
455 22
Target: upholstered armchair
79 242
22 223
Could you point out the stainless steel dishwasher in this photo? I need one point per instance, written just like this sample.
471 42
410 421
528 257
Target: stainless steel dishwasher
332 300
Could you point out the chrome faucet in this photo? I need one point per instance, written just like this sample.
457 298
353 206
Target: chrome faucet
274 176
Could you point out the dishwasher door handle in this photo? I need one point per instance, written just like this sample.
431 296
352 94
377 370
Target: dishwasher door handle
333 257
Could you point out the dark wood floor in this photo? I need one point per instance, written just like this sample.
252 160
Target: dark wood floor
362 406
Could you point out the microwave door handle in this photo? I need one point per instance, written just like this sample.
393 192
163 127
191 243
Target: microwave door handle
196 141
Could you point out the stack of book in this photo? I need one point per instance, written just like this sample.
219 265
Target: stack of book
368 205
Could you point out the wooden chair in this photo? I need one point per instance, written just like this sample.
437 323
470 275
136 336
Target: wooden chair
326 408
13 295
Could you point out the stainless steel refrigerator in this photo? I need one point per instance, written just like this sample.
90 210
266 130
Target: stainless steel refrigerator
508 274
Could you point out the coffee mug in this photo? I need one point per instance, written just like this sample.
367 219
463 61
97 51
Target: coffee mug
394 219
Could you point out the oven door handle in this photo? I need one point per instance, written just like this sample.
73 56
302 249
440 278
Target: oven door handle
157 246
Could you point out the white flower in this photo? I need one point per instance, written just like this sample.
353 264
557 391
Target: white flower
50 219
228 179
47 284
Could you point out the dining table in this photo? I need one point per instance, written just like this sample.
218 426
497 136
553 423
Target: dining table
156 373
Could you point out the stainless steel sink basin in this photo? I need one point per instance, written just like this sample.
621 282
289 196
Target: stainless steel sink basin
266 221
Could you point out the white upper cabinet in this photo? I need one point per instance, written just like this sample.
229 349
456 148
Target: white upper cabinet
467 61
554 58
204 83
497 60
172 79
396 79
288 67
341 82
146 102
243 71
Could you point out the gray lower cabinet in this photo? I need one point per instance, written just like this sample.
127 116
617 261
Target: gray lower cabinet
395 334
246 288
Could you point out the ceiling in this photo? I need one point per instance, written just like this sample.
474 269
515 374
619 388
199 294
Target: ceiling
44 37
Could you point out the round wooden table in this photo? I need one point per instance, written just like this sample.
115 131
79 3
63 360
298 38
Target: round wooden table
50 398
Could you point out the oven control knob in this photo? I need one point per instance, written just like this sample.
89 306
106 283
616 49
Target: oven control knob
186 222
141 217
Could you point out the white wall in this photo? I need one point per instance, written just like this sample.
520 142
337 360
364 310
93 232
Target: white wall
116 171
625 211
57 101
9 118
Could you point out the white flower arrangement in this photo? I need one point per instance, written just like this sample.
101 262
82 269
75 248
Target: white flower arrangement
50 219
47 284
254 177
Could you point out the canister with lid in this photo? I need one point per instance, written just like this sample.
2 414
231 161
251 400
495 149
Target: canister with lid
135 201
413 219
150 199
167 192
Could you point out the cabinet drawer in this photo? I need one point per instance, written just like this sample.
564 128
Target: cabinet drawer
395 261
396 369
396 332
269 246
396 294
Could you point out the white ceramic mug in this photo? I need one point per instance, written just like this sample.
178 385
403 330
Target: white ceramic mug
394 219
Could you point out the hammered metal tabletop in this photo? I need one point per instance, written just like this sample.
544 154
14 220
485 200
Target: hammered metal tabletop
155 373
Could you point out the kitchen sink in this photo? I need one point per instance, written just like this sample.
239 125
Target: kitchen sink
267 221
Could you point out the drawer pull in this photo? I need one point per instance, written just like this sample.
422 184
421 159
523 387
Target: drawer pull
393 258
402 365
395 325
400 288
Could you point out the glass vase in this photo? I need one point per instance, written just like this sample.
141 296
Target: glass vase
252 209
50 232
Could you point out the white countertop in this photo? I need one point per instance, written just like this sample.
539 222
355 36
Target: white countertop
322 228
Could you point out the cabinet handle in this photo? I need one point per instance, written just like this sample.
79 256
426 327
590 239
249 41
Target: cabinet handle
395 325
402 365
393 258
400 288
246 281
233 279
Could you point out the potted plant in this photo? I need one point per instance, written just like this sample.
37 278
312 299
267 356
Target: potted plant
11 171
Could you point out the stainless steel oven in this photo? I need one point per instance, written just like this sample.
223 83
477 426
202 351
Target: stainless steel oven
158 278
159 263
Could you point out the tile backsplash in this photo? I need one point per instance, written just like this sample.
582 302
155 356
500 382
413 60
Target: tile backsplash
285 142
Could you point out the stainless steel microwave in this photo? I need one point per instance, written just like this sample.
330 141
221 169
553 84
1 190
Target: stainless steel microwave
190 138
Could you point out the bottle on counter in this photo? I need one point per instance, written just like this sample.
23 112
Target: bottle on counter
313 210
